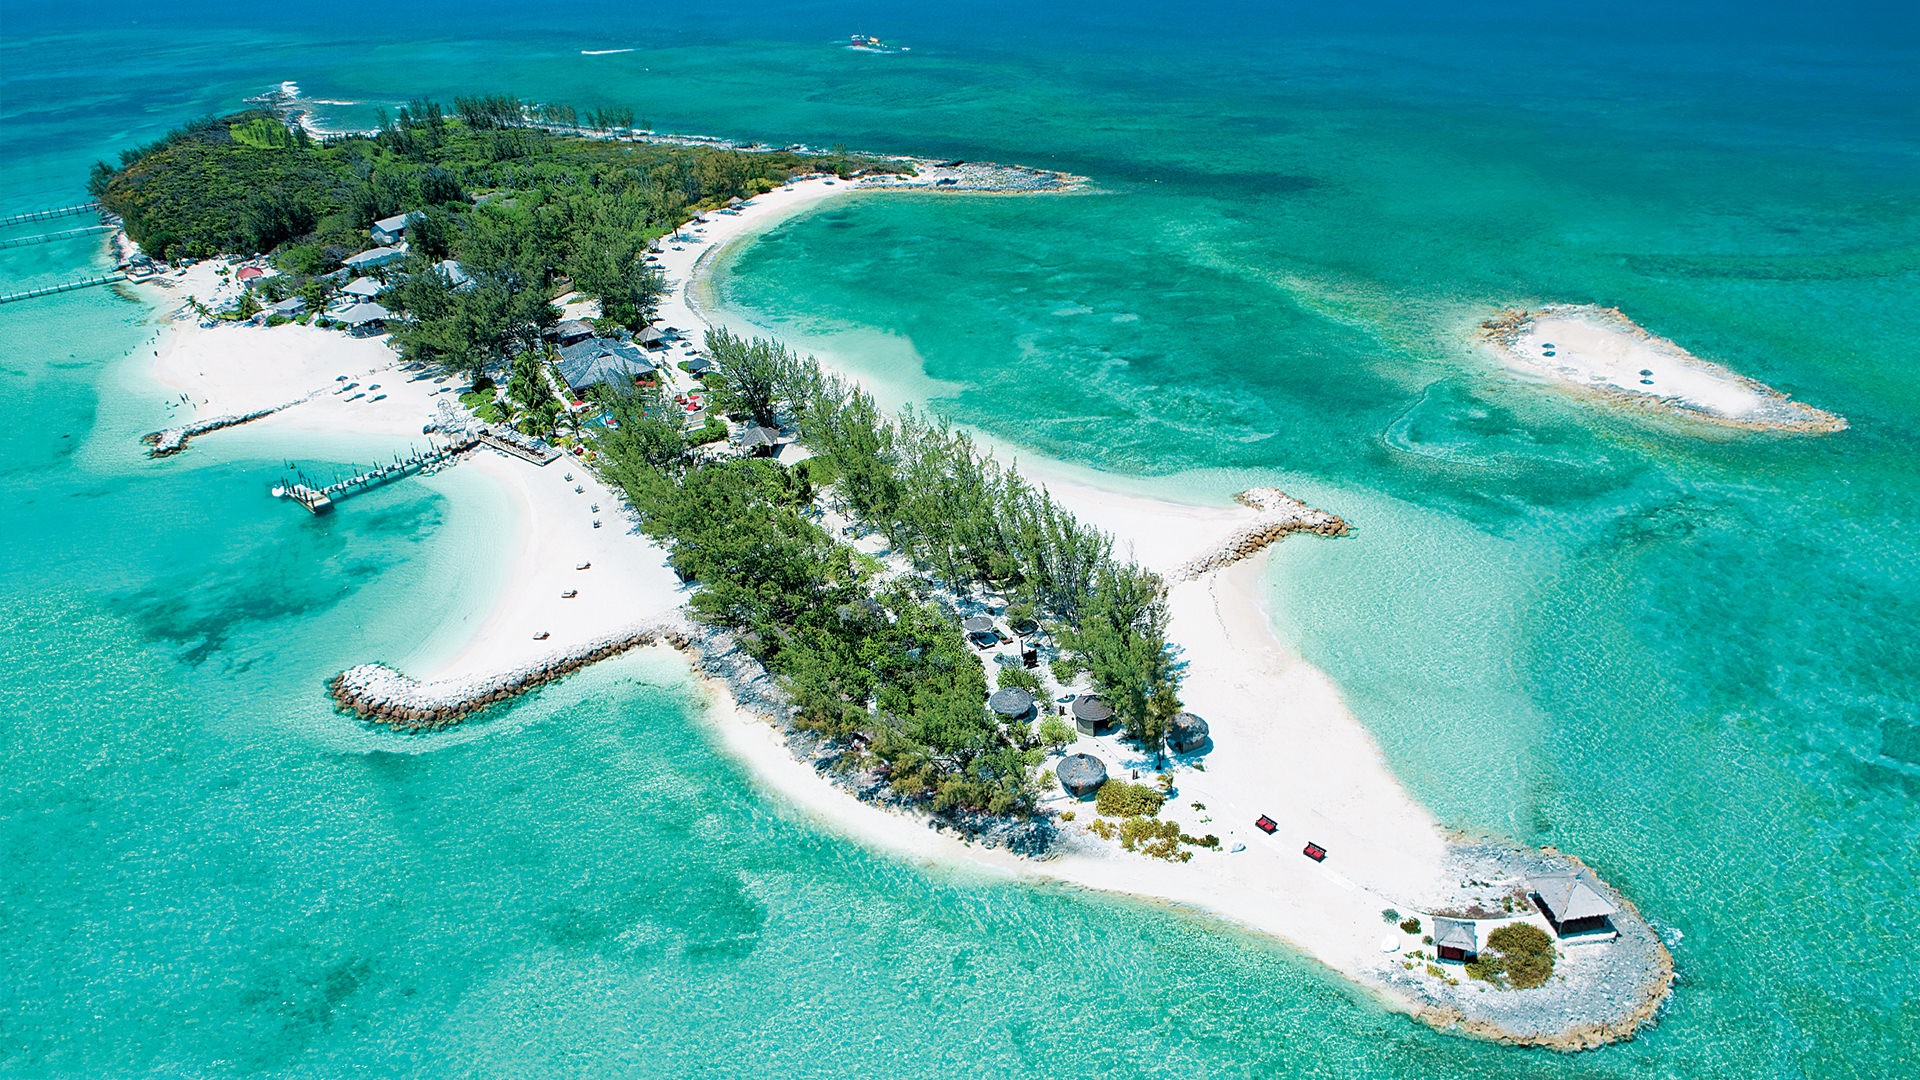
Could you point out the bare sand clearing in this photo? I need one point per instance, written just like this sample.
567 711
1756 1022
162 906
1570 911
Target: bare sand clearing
1600 350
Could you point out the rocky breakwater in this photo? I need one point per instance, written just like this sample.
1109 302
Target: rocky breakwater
173 440
385 696
1278 515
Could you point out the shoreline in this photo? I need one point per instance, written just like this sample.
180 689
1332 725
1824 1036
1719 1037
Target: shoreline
1264 703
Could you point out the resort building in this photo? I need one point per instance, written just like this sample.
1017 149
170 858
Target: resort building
1091 715
1186 733
373 258
1574 905
362 288
391 230
1080 774
1012 704
1455 939
603 362
291 307
456 275
572 332
363 319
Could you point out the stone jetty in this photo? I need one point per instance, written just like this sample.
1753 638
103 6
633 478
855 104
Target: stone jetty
173 440
385 696
1278 515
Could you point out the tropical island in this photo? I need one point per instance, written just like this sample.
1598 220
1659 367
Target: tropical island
898 630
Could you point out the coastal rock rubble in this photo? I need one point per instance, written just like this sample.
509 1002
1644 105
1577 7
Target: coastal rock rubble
1599 993
1280 514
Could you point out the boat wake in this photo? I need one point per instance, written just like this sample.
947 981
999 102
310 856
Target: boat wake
604 52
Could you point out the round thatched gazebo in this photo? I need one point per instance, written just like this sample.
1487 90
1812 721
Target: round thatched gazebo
1186 733
1080 774
1091 715
1011 703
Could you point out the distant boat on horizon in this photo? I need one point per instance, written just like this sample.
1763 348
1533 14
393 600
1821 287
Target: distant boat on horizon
867 43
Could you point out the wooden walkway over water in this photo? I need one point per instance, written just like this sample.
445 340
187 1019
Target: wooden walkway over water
48 238
318 497
50 214
65 286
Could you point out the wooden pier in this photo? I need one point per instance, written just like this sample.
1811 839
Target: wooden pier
65 286
52 237
49 215
319 498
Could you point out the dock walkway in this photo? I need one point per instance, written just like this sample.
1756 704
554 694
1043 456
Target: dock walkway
318 498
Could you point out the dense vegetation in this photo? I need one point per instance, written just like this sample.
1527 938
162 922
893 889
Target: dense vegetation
866 658
527 212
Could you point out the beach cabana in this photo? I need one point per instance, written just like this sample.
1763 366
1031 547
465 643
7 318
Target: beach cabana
1455 939
651 338
759 440
697 365
363 318
1091 715
1186 733
602 362
1080 774
289 308
1012 704
1573 903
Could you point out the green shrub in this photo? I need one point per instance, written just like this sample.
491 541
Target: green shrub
1519 955
712 431
1117 798
1389 915
1056 733
1159 839
1410 925
1017 676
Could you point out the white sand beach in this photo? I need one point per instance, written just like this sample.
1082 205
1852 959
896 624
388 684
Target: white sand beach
1600 350
1283 742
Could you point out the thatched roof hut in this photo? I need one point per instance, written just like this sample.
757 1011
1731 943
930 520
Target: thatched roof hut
1091 714
1186 733
1573 902
1011 703
1080 774
1455 939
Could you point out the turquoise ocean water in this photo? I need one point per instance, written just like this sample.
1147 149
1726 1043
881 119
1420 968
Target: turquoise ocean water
1690 657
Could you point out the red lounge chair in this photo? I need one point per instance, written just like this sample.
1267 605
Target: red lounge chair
1315 852
1266 824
